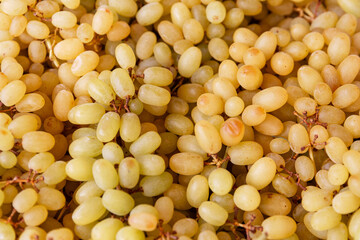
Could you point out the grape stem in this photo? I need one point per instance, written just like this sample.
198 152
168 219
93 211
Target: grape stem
11 110
64 209
165 235
16 225
33 179
117 107
247 226
50 44
216 160
292 174
308 122
174 88
306 12
96 42
38 14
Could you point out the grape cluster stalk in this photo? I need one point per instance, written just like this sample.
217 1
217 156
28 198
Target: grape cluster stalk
179 119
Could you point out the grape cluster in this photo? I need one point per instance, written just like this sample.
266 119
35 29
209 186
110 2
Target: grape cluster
179 119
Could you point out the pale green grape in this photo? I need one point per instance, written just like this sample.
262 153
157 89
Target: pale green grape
247 198
55 173
220 181
129 233
151 164
87 113
7 232
213 213
100 91
51 198
144 217
29 232
106 229
112 152
24 200
129 172
60 233
35 215
86 190
88 211
108 126
197 190
80 169
117 202
105 174
156 185
41 161
7 159
87 146
145 144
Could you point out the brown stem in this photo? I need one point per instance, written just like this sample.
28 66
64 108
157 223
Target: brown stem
217 161
163 235
292 174
247 226
32 179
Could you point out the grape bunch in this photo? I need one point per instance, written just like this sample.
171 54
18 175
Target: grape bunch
179 119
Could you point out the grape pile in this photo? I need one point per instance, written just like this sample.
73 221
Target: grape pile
179 119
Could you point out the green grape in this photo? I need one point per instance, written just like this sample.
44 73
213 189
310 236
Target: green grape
197 190
86 190
88 211
208 137
130 127
41 161
247 198
6 231
60 233
128 233
35 215
261 173
23 124
106 229
122 83
151 164
156 185
88 113
129 172
30 232
165 207
24 200
145 144
125 56
220 181
105 174
117 202
226 201
100 91
186 163
87 146
51 198
108 127
7 159
6 139
213 213
55 173
80 169
278 227
38 141
144 217
112 152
